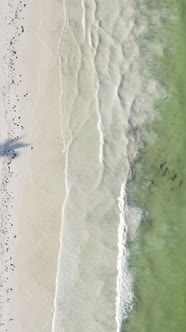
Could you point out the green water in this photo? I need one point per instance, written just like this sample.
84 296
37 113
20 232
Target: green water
158 254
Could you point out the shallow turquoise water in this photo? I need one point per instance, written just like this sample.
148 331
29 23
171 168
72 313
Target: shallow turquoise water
158 253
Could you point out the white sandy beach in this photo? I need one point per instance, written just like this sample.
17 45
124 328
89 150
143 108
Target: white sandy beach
37 184
40 219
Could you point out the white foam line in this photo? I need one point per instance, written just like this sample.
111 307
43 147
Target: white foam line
100 129
60 249
83 16
124 298
66 162
99 123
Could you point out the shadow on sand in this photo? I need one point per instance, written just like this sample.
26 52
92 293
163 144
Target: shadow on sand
11 147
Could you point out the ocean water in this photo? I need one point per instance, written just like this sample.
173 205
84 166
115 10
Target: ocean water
157 255
121 263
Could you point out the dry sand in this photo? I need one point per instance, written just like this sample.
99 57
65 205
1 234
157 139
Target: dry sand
41 200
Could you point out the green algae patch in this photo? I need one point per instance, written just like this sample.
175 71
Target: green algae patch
158 253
